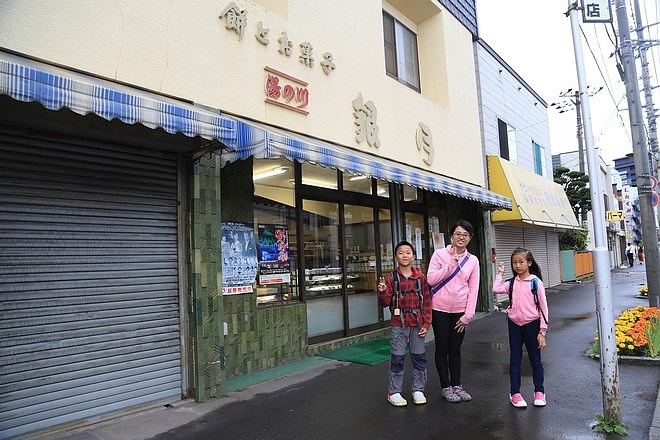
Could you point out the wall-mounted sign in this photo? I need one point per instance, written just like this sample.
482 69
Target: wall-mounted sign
286 91
614 216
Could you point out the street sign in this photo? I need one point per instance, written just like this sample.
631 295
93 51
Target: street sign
614 216
654 199
596 11
654 183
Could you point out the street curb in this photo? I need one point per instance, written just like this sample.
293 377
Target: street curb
654 430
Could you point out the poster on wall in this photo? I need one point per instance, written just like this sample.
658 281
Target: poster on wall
239 258
274 262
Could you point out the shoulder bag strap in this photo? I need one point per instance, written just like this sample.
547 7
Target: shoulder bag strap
453 274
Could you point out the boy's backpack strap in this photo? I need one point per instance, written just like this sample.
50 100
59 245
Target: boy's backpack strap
395 291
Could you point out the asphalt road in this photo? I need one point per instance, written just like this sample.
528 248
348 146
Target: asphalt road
337 400
347 401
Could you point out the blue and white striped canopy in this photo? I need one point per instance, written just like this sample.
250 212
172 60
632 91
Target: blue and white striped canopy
26 80
55 88
265 142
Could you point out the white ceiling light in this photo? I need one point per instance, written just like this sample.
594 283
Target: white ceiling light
273 172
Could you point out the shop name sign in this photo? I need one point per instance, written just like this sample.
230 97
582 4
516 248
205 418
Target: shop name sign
596 11
286 91
614 216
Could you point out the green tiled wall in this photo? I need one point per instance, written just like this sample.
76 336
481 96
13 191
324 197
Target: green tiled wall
258 337
205 301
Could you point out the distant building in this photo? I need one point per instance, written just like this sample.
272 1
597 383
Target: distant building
616 242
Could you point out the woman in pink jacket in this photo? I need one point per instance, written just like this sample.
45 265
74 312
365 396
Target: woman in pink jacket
454 278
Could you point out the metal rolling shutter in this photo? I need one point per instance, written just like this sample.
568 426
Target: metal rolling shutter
535 241
506 240
88 279
554 256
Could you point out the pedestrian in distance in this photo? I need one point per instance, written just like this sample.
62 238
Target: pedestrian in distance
527 319
640 254
406 292
630 253
454 278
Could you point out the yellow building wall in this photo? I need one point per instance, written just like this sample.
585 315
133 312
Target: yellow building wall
183 49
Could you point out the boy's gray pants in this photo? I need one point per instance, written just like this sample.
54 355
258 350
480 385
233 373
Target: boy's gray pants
400 338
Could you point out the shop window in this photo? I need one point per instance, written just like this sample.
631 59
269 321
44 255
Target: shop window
539 159
401 58
275 228
507 138
411 194
382 188
316 175
357 183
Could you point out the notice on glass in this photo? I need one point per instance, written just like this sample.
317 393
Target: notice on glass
274 261
239 258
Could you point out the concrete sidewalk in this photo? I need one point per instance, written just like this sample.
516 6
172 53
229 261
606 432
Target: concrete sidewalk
303 387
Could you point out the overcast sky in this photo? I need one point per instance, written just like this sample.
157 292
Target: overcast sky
534 37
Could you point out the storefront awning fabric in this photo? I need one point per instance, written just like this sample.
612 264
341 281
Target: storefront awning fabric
267 142
537 201
55 88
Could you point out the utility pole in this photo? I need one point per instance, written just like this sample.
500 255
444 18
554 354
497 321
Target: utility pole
648 97
609 367
640 154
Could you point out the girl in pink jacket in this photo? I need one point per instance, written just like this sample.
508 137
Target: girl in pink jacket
527 317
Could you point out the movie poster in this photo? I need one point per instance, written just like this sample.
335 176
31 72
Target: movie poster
239 258
274 262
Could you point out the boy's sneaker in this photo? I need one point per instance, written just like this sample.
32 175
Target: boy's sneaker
517 400
460 392
396 399
449 395
539 399
418 398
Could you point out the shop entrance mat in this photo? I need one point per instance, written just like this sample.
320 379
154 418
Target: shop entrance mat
371 352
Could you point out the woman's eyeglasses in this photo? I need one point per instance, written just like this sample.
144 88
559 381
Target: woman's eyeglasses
461 234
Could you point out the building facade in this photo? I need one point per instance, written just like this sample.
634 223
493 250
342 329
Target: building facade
517 150
194 193
614 229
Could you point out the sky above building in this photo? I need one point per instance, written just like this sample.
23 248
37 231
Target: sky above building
536 40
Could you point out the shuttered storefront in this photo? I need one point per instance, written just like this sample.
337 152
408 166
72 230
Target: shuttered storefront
543 244
506 240
89 293
554 259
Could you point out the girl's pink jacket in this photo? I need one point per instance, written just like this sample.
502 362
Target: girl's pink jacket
459 295
523 309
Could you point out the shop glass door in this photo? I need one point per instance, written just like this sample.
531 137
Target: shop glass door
361 275
323 269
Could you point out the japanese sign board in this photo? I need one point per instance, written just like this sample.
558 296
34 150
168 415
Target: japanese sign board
596 11
614 216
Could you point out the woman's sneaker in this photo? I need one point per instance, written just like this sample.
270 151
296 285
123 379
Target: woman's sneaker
449 395
396 399
517 400
539 399
460 392
418 398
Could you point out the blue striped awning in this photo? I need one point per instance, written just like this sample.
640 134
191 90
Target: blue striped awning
27 80
56 88
266 142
